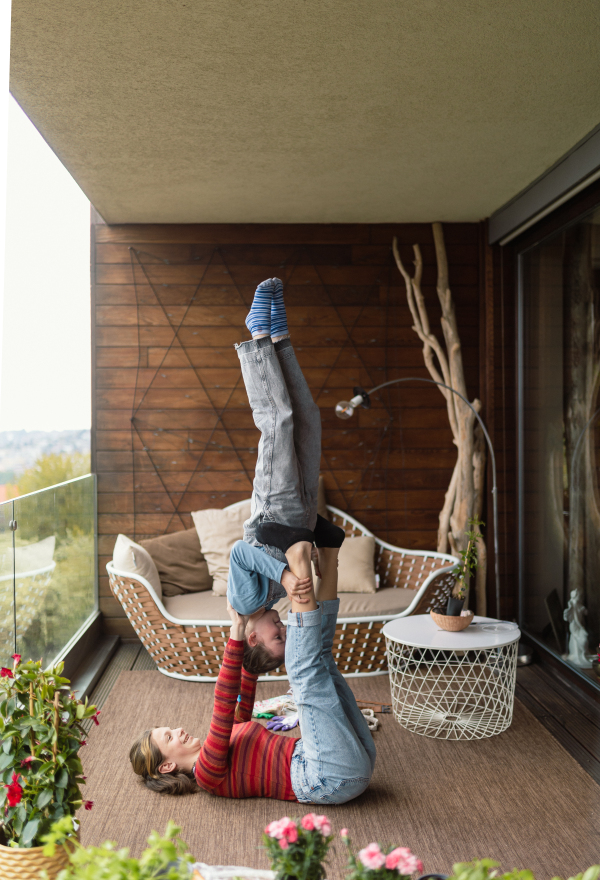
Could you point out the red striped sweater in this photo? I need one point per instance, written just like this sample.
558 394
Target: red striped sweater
242 759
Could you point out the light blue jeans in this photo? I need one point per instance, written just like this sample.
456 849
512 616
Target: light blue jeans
286 477
334 761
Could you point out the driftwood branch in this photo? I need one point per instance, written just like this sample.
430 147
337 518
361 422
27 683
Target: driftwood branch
464 497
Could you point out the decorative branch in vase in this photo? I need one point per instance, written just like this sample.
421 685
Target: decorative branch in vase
464 496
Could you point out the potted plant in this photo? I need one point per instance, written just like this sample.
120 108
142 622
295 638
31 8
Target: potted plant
464 570
377 863
40 771
486 869
297 848
165 857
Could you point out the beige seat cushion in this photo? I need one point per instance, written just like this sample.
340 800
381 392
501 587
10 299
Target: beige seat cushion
131 557
218 530
181 565
207 606
356 566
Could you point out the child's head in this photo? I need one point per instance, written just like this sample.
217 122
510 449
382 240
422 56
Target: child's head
264 643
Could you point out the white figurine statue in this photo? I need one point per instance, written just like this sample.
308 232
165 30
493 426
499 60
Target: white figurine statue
578 637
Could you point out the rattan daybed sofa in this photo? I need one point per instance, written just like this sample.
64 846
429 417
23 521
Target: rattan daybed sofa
411 582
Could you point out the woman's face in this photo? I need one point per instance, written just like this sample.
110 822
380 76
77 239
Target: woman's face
269 630
179 749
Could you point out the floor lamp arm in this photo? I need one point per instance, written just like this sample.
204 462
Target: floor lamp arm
492 459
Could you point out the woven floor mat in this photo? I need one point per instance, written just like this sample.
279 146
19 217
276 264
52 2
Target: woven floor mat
518 797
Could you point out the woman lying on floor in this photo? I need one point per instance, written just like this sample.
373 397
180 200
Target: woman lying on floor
334 760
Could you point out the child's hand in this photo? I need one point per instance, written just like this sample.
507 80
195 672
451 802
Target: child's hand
296 588
238 623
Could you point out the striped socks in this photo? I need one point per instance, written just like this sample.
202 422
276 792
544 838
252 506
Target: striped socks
279 325
258 320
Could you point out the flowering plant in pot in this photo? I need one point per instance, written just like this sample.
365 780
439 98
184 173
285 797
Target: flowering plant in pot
40 771
376 863
298 847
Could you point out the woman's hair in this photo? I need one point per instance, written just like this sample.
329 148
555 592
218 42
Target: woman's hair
258 661
146 758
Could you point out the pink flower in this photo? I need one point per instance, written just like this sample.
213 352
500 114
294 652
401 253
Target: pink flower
283 829
308 822
344 833
283 843
15 792
16 658
82 742
88 805
95 718
323 825
6 673
403 860
27 761
372 857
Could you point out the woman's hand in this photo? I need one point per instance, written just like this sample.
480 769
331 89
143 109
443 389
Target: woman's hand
238 623
296 588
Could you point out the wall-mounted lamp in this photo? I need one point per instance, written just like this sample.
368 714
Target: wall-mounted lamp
345 410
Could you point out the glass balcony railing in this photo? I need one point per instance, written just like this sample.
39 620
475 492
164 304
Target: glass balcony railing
48 571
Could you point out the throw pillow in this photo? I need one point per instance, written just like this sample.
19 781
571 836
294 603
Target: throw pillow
131 557
181 565
218 530
356 566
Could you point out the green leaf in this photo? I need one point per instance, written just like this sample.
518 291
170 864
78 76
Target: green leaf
7 746
44 799
29 831
80 711
5 761
62 779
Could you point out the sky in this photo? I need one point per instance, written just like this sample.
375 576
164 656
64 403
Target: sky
45 381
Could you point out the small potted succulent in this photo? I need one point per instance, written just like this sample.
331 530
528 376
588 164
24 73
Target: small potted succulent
297 848
40 771
375 862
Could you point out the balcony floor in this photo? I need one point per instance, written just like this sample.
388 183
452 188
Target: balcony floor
569 714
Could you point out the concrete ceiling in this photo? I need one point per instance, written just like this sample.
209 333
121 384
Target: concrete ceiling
308 111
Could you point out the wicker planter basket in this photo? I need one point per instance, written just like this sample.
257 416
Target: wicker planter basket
18 863
452 624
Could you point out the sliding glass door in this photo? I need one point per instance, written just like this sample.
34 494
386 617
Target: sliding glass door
559 442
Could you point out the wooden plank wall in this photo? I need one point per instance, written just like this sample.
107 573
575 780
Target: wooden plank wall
172 430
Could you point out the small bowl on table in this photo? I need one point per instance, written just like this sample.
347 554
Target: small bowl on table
452 623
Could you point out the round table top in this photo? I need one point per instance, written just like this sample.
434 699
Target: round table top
419 631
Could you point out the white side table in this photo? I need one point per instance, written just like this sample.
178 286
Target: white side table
452 685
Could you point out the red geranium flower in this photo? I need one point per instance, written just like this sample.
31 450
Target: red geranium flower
15 792
88 805
6 673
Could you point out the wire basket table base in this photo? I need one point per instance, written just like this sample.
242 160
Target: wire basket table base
452 694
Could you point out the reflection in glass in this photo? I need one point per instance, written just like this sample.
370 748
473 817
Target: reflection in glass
560 424
7 607
54 565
